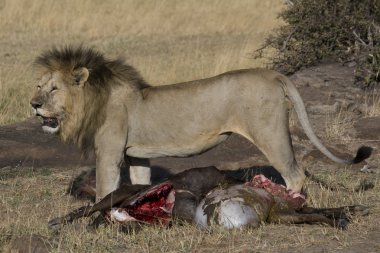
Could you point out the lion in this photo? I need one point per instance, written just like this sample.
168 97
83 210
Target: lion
105 105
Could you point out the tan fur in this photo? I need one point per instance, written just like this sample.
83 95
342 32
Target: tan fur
172 120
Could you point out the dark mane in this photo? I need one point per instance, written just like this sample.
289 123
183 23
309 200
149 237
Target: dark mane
103 75
102 70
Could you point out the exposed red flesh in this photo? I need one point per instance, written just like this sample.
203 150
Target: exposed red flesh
295 199
154 206
152 210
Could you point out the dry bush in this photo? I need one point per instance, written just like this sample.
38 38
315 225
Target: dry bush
317 30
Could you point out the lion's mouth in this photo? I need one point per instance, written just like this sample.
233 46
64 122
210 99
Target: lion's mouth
152 206
51 122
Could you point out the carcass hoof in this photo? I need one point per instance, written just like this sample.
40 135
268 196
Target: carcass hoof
342 224
56 224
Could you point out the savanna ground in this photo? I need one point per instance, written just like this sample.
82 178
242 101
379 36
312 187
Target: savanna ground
173 41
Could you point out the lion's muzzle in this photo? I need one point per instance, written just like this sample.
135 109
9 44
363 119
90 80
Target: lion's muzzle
49 124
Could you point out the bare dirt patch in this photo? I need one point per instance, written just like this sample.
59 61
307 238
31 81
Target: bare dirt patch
368 128
24 144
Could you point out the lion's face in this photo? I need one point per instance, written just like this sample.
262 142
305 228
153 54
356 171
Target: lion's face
54 100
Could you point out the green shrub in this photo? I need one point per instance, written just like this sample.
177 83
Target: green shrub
317 30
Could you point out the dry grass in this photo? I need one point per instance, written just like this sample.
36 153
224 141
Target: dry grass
168 41
337 126
372 103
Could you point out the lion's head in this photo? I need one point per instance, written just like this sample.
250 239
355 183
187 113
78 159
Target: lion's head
74 88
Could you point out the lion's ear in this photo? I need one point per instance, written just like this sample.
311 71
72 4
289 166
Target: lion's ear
80 76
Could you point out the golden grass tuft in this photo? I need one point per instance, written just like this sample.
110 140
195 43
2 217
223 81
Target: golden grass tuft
372 103
337 125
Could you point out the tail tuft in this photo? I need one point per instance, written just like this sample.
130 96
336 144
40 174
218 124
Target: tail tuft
363 153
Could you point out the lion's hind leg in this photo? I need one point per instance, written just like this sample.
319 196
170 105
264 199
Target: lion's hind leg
272 137
139 171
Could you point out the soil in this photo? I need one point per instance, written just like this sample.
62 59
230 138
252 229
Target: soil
328 90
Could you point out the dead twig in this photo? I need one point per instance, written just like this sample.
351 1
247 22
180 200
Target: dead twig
287 40
370 37
377 27
258 53
288 2
359 39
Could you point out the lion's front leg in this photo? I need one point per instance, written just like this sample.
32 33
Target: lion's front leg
107 172
139 170
107 176
110 146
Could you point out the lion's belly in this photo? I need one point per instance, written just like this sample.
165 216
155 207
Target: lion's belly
175 148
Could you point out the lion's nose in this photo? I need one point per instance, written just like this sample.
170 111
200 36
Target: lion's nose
36 104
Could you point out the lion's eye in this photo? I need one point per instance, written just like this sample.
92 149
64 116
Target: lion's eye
38 87
54 89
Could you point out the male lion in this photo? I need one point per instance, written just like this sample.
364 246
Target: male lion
104 105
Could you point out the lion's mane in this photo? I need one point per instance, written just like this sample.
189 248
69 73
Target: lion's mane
103 75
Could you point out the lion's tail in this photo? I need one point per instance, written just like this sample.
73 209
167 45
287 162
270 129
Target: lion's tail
292 92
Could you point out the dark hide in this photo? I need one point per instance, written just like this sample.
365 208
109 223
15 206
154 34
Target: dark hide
192 186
